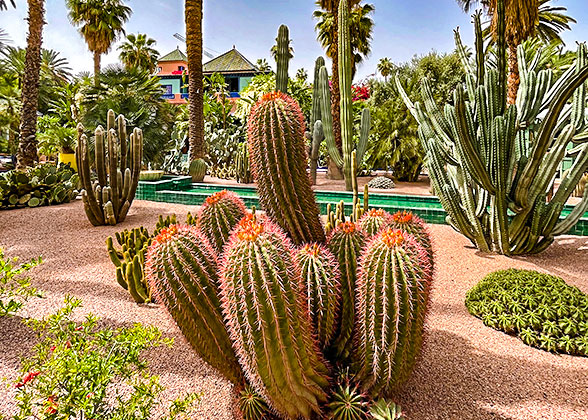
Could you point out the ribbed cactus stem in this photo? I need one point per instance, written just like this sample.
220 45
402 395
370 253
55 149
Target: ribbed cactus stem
267 317
346 243
410 223
322 281
181 268
282 59
375 220
219 215
345 89
392 296
278 158
315 113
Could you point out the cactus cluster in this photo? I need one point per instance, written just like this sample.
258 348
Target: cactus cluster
278 159
381 183
129 260
242 169
410 223
542 310
494 165
375 220
118 164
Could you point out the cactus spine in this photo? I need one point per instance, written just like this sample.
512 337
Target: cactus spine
344 56
267 318
118 165
487 159
346 243
243 170
410 223
392 295
219 215
181 268
278 158
374 220
282 59
321 280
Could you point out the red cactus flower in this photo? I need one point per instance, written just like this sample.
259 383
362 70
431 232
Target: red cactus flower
28 378
51 405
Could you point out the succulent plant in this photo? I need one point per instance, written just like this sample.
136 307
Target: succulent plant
374 220
118 164
346 243
410 223
392 295
321 282
347 403
381 183
219 215
268 321
278 159
181 268
282 58
386 410
252 405
197 170
242 168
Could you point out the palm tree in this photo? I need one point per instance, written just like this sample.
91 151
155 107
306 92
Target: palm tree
385 67
4 39
100 22
302 74
27 145
361 35
193 12
524 19
3 5
263 65
138 52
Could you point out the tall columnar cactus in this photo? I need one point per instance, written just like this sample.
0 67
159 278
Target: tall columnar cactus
278 158
493 166
242 167
317 135
392 295
322 282
219 215
346 242
181 268
343 160
282 58
118 164
375 220
410 223
268 321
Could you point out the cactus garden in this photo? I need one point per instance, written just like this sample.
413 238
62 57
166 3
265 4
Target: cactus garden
197 235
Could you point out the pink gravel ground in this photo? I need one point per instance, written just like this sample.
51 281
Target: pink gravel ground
467 371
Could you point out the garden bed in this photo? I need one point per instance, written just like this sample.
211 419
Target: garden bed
467 371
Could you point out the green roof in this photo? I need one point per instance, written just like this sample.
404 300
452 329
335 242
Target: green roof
230 62
175 55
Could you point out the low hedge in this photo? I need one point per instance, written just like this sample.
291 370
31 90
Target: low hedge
542 310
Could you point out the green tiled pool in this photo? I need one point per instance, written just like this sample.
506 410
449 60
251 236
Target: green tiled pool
181 190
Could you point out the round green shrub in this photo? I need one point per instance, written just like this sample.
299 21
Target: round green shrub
540 309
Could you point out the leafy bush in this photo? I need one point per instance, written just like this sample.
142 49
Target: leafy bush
15 289
540 309
222 146
81 371
45 184
55 136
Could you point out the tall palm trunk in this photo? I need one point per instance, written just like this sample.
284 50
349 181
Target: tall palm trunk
514 79
335 93
195 82
97 59
27 147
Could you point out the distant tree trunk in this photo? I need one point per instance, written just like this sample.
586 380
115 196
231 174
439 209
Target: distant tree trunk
514 79
195 82
335 92
27 147
97 59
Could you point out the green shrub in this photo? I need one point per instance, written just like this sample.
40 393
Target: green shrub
15 289
540 309
81 371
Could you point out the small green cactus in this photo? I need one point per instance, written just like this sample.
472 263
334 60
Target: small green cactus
348 403
217 217
392 295
181 268
321 280
267 319
374 220
411 223
252 405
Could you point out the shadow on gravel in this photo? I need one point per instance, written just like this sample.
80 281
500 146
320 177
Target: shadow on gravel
16 341
454 380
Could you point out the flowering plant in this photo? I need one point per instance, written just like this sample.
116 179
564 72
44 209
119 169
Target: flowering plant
80 371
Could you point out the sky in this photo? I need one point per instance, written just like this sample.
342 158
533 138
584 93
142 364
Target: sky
403 28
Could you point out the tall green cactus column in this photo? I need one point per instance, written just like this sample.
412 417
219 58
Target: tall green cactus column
282 59
278 159
268 321
118 165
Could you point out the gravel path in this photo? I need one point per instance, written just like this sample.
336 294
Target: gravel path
467 371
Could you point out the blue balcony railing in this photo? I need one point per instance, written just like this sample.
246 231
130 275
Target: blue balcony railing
168 96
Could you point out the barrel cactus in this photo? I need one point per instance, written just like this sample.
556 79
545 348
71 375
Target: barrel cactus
278 158
219 214
392 295
374 220
268 321
321 281
410 223
181 269
346 243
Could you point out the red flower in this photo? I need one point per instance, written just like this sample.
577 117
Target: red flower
52 348
28 378
80 328
51 405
